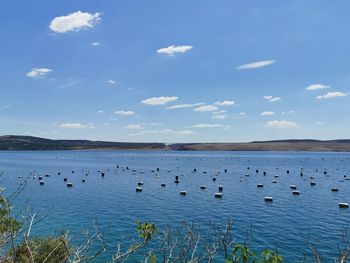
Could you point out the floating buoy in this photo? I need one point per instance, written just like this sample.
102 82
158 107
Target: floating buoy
41 182
40 177
225 170
335 190
264 173
65 179
203 187
140 183
138 189
214 179
296 193
274 182
221 188
301 174
162 184
102 174
276 176
83 181
73 172
218 195
344 205
287 171
293 187
183 193
194 170
260 185
268 199
47 175
176 181
312 183
59 173
257 171
157 169
246 175
69 185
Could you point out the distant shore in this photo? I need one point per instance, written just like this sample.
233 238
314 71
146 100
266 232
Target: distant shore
30 143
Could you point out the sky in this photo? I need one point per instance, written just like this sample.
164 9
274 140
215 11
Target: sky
175 71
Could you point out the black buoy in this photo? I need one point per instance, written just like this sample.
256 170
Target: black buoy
194 170
83 181
65 179
225 170
157 169
40 177
257 171
265 173
59 173
41 182
102 174
221 188
287 171
214 179
47 175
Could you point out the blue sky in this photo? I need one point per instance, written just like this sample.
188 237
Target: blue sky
175 71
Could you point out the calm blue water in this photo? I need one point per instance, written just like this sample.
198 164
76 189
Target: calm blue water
113 202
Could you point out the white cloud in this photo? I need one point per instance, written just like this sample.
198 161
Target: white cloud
271 98
101 111
206 126
317 87
38 72
181 106
257 64
110 81
332 95
242 113
76 125
159 100
225 103
74 22
186 132
319 123
206 108
134 127
172 50
281 124
69 84
219 116
125 113
288 112
267 113
95 44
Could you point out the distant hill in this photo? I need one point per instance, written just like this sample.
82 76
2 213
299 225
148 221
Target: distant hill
278 145
13 142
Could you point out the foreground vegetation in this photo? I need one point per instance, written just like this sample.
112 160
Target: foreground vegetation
149 244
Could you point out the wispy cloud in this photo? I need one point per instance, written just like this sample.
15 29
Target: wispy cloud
281 124
134 127
125 113
69 84
332 95
111 81
271 98
181 106
319 123
74 22
186 132
317 87
38 72
267 113
257 64
225 103
75 125
95 44
206 108
206 125
10 105
172 50
159 100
